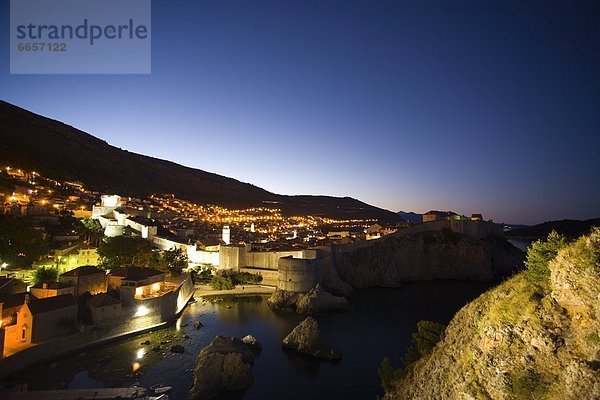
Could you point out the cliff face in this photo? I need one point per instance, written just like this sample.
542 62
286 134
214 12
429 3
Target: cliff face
429 256
518 342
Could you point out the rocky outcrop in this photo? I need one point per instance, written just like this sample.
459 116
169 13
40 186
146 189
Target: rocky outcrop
331 279
316 301
520 340
224 366
306 338
282 300
319 301
429 256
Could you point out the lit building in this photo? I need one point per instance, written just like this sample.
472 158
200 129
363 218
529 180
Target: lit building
139 281
226 235
85 279
51 289
104 308
39 320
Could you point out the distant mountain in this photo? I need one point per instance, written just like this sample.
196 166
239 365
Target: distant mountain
62 152
411 217
569 227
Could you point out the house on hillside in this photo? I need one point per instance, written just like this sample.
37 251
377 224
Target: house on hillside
41 319
433 215
141 282
209 244
85 279
10 305
104 308
11 286
51 289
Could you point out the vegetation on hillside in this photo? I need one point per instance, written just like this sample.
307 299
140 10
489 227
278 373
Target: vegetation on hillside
20 244
535 336
174 261
539 255
45 274
129 250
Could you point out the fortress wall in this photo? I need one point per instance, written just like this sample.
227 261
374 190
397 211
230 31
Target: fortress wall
196 256
269 259
475 229
298 274
232 257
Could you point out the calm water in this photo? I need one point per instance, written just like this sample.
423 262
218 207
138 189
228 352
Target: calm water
379 324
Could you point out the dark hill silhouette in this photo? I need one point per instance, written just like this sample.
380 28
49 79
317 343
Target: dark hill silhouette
571 228
61 152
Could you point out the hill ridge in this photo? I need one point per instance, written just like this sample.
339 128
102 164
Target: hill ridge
61 151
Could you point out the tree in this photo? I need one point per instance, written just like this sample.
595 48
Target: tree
121 250
20 244
428 334
92 225
174 260
539 256
45 274
92 230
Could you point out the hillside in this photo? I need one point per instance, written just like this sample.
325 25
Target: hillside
535 336
569 227
62 152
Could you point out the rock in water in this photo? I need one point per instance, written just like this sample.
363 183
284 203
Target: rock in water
319 301
306 338
252 341
224 366
283 300
177 348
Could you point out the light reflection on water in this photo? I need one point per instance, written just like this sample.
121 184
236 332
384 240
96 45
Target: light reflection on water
379 324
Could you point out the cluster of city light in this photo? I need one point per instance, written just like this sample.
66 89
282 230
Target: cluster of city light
268 222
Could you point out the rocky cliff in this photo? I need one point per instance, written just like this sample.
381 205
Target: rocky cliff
535 336
429 256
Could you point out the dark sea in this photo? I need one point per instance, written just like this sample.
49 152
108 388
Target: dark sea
379 324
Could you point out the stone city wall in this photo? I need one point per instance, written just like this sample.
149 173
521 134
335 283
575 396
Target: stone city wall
298 274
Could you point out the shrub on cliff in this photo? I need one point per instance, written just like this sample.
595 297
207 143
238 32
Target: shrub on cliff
539 256
428 334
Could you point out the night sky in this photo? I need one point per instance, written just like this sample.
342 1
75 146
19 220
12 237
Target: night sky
479 106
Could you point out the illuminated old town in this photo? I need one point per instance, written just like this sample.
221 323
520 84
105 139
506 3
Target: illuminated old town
299 199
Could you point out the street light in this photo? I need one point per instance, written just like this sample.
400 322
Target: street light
57 267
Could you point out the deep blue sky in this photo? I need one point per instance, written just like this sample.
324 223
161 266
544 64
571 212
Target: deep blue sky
489 107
